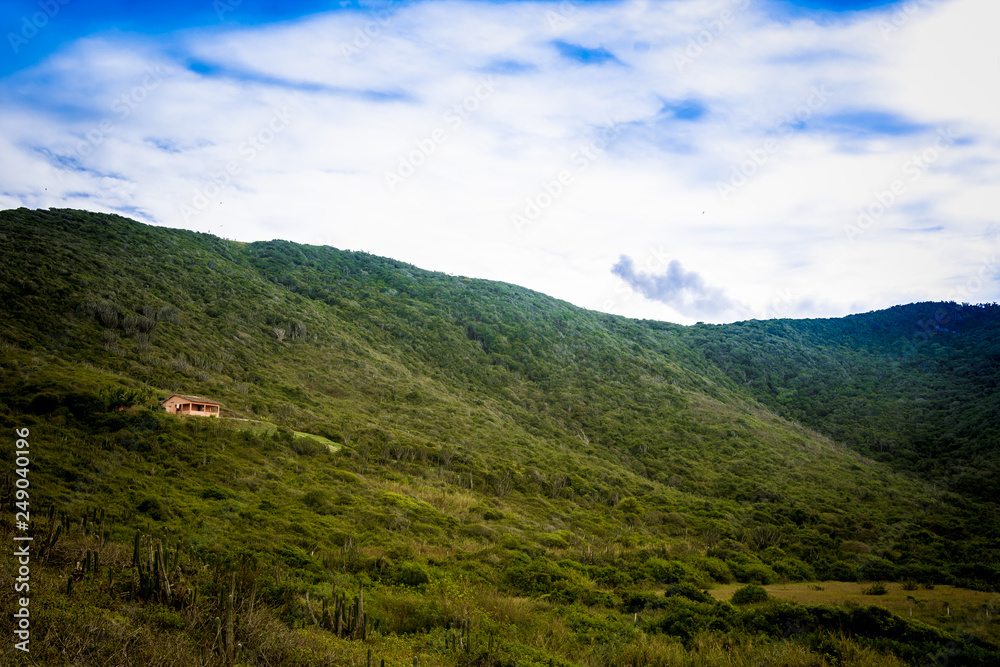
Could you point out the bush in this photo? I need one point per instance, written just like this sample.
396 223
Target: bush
726 548
685 618
793 569
689 591
593 597
855 547
714 568
412 574
43 404
610 576
750 594
877 569
318 500
878 588
413 613
642 601
545 578
555 540
840 571
670 572
771 554
214 493
304 446
749 570
152 508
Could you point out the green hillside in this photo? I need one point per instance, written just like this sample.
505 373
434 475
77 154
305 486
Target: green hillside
513 480
915 386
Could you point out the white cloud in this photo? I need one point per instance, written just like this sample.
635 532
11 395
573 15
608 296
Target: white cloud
367 91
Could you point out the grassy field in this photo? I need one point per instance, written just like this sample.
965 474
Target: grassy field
956 610
268 428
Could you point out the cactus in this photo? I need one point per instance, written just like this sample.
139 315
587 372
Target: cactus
230 638
135 549
162 582
55 538
218 633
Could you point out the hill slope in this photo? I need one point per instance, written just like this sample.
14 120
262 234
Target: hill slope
492 439
917 386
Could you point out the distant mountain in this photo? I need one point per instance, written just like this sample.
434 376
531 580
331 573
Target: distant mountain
405 429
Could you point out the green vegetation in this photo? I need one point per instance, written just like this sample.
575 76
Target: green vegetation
914 386
471 473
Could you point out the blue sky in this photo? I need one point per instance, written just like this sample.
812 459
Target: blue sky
708 160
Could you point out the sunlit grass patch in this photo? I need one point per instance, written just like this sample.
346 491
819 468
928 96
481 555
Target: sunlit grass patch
957 610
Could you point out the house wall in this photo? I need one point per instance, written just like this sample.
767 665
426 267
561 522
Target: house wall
176 405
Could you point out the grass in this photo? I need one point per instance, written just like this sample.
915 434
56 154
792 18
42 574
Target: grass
956 610
269 428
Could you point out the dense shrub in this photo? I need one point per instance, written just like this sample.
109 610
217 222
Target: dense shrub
689 591
671 572
412 574
153 508
793 569
610 575
838 571
637 601
726 548
686 618
750 594
749 570
878 588
715 568
874 568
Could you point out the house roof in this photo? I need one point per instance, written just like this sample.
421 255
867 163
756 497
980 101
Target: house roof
192 399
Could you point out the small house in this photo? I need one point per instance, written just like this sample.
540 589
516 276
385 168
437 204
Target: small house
179 404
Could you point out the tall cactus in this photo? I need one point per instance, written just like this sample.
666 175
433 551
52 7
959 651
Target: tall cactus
135 549
230 637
